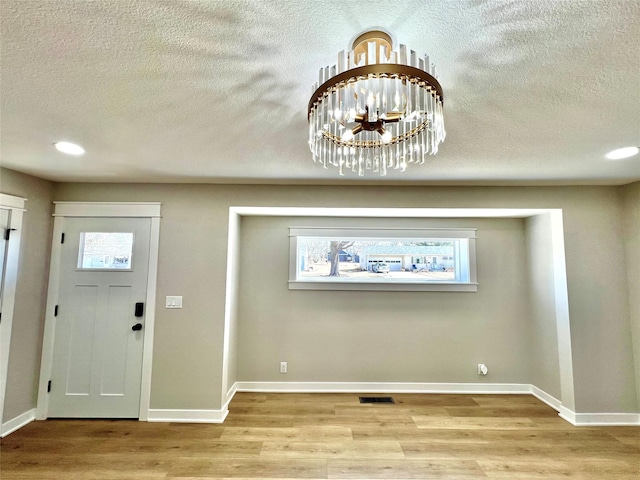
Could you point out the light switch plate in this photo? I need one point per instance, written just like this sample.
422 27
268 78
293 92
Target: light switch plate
174 302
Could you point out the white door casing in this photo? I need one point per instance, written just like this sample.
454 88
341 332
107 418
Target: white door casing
13 210
74 366
5 232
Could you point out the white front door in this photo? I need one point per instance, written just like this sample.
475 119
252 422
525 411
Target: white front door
99 330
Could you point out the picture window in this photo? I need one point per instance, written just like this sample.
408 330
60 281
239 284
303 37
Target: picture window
382 259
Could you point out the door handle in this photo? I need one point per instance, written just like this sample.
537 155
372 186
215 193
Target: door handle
136 327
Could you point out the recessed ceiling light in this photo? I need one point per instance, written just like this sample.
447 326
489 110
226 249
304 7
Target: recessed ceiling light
69 148
621 153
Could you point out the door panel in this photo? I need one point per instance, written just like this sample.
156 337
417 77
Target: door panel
118 330
97 357
79 335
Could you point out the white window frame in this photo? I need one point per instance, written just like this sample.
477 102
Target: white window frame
466 270
81 252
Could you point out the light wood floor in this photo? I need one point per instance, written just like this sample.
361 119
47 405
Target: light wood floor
332 436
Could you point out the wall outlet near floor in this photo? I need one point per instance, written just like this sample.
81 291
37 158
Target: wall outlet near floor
283 367
482 369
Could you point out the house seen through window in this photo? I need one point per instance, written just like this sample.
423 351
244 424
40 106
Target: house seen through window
372 258
105 250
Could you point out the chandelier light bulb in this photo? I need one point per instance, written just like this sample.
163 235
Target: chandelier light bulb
385 104
347 135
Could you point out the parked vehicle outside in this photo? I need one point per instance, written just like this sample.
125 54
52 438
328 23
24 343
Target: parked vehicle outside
380 267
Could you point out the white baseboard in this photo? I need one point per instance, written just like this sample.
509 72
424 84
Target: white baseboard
563 412
606 419
230 394
17 422
188 416
568 415
546 398
577 419
381 387
218 416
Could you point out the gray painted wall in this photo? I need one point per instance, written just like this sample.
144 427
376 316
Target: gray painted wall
383 336
31 290
602 231
193 246
599 303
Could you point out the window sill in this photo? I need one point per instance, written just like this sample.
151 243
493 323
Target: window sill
382 286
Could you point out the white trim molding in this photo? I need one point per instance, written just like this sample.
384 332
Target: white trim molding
107 209
382 387
20 421
149 326
15 207
12 202
230 394
401 212
187 416
602 419
230 309
546 398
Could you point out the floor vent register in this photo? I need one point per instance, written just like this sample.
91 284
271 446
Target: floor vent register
376 400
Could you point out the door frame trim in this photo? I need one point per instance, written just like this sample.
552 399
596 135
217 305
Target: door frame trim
15 205
62 210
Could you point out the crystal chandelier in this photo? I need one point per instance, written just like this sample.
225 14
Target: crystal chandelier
377 109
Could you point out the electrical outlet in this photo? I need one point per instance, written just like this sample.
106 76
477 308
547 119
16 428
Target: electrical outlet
482 369
283 367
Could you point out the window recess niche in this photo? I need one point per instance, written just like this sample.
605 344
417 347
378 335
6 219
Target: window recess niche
387 259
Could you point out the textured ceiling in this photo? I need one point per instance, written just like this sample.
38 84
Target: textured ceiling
536 91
